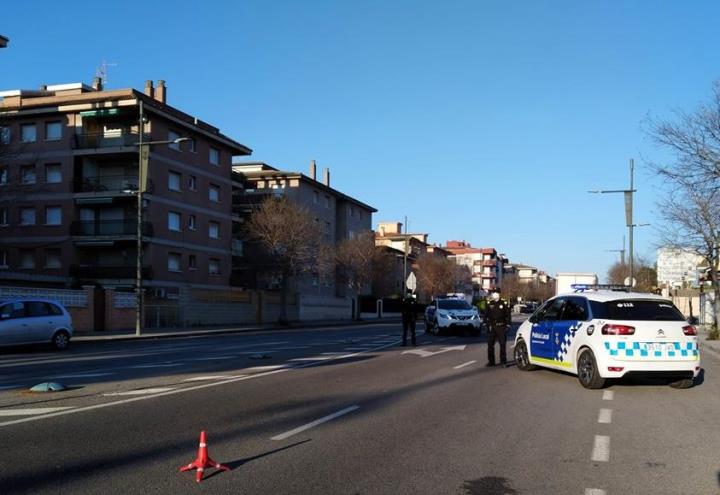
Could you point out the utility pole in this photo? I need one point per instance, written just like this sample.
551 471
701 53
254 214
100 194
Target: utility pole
621 251
405 256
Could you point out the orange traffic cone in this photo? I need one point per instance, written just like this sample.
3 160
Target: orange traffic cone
203 461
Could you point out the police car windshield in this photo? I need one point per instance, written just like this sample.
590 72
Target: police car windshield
452 304
633 309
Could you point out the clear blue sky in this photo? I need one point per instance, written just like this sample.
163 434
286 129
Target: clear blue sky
481 120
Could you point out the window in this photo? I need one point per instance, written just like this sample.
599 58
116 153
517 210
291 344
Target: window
13 310
575 309
192 183
192 262
214 156
27 216
174 260
53 173
4 134
52 258
327 201
3 258
214 193
172 136
27 258
36 308
4 216
174 181
327 228
27 174
28 133
53 215
191 145
53 131
174 221
3 176
192 222
316 197
214 230
214 266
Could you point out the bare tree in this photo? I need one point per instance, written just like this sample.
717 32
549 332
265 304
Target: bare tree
645 275
384 270
690 207
290 237
439 275
355 259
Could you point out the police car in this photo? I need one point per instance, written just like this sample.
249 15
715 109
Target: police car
603 334
451 312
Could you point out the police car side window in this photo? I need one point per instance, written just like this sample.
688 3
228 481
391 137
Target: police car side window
575 309
553 310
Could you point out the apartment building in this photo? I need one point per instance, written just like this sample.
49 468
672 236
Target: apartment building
485 265
339 216
69 181
678 267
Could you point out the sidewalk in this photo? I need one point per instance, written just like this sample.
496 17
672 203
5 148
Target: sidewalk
711 346
160 333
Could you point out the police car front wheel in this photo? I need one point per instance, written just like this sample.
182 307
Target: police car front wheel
522 359
588 374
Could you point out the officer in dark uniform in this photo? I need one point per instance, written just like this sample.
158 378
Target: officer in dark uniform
409 316
497 320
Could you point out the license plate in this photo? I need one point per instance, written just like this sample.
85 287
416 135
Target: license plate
659 347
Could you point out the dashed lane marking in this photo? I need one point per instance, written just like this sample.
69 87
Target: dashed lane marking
314 358
605 416
608 395
270 367
333 353
464 364
595 491
601 449
31 412
317 422
212 377
143 391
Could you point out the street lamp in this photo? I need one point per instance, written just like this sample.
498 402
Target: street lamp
628 213
143 156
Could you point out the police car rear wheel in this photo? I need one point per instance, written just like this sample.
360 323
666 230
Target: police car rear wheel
522 359
682 383
588 374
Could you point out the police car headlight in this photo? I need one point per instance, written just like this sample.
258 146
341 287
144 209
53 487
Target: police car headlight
475 317
590 329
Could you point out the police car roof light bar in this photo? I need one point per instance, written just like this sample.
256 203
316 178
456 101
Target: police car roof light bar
584 287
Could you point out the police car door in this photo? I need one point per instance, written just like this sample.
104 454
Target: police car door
574 313
541 337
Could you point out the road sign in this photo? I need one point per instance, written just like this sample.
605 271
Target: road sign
411 282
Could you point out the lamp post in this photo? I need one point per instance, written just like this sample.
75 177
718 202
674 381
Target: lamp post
628 193
143 157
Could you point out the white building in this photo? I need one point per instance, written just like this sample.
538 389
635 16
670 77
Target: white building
676 266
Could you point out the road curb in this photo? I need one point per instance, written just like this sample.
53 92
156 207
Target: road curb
94 338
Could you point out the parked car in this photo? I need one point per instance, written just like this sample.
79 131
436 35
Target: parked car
599 335
33 321
445 314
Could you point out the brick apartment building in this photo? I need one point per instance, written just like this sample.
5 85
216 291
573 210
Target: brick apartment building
68 188
339 215
485 264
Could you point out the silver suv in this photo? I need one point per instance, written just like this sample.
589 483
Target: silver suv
33 321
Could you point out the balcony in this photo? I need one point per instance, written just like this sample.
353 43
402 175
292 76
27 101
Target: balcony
109 228
114 184
109 271
118 139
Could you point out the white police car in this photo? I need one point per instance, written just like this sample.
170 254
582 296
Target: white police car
450 313
602 334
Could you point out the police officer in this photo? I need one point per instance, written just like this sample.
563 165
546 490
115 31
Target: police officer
409 316
497 320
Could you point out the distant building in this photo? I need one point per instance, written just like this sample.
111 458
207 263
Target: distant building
391 236
678 267
485 265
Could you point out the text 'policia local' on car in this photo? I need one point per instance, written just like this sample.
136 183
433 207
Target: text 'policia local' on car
603 334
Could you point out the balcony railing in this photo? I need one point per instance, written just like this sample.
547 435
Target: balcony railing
109 271
108 140
109 183
109 228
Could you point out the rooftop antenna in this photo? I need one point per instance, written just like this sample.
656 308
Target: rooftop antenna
102 71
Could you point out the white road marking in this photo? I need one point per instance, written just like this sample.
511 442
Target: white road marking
271 367
143 391
424 353
601 449
206 378
31 412
464 364
608 395
314 358
82 375
605 416
320 421
171 392
216 358
333 353
161 365
595 491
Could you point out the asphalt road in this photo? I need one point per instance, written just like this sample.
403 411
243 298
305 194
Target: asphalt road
343 411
